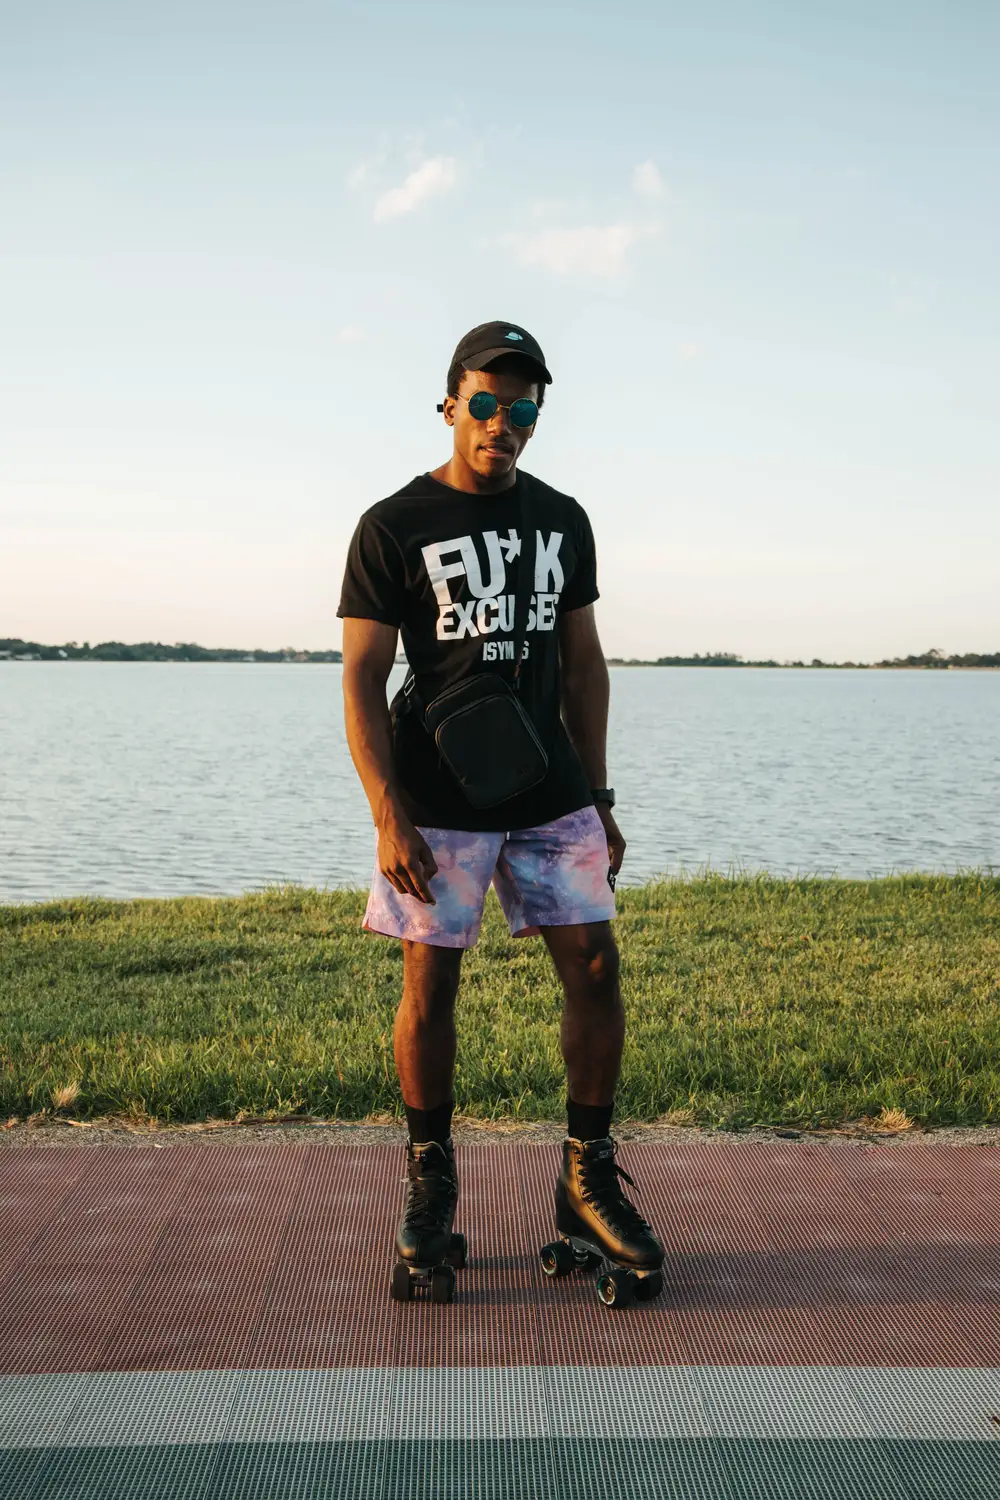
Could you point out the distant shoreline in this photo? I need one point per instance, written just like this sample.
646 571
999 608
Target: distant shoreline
337 660
826 666
15 650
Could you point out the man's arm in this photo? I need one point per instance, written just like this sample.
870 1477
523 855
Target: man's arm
586 692
403 855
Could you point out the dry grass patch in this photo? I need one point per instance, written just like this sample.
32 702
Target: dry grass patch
66 1097
678 1117
894 1122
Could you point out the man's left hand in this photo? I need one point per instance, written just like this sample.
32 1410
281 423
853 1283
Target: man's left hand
616 843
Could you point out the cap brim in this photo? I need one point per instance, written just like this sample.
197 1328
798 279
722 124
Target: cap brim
487 356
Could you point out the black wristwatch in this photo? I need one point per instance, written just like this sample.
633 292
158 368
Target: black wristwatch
603 794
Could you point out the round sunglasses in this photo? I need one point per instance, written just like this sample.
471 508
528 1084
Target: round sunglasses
483 405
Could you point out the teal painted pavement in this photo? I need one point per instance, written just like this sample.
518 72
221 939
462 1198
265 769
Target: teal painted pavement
528 1469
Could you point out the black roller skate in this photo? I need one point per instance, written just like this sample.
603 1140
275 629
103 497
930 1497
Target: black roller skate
429 1253
600 1229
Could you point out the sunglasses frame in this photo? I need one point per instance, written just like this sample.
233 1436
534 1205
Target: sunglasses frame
518 426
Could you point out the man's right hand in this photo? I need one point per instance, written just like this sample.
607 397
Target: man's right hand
405 857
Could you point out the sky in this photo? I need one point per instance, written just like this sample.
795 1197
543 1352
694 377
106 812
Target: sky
758 244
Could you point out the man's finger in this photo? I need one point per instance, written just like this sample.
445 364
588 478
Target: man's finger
403 881
421 889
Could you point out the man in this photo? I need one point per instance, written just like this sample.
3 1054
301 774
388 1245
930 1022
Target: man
441 561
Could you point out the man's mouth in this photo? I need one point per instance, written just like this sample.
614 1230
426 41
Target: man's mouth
497 450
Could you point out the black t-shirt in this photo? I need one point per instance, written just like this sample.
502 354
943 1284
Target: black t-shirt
442 566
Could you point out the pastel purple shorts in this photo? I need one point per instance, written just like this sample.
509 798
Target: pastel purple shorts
552 876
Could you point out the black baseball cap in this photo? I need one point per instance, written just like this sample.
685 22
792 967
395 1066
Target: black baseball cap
489 341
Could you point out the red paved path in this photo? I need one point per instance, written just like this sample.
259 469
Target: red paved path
261 1256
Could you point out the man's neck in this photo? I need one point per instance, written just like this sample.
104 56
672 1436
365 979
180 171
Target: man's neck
458 475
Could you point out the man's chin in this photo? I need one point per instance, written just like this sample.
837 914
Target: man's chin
495 465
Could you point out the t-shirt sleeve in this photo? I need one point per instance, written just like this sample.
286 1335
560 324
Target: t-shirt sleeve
581 588
374 579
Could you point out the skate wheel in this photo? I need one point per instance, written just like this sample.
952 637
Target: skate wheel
443 1284
402 1285
615 1287
557 1259
649 1286
458 1253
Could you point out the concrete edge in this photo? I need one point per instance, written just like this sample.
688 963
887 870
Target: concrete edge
466 1131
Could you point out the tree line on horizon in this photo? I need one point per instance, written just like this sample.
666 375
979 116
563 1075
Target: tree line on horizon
931 659
16 649
154 651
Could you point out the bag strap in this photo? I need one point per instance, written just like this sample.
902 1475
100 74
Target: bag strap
525 582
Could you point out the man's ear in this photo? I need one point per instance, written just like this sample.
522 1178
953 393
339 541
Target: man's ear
448 407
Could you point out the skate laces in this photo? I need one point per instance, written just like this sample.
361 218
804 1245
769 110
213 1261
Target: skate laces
600 1187
432 1183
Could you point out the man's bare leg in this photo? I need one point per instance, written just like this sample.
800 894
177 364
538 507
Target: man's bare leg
593 1020
424 1032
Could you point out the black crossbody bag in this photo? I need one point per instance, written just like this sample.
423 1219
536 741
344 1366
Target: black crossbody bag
482 731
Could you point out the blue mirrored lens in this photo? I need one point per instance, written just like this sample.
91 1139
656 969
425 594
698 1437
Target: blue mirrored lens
523 413
483 405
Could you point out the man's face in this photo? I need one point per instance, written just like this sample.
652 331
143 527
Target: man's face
491 449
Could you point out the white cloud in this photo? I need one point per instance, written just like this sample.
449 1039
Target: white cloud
588 250
647 182
351 334
434 176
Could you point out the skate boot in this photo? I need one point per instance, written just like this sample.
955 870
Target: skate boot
599 1228
429 1253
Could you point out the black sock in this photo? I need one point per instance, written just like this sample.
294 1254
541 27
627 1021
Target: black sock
589 1122
429 1124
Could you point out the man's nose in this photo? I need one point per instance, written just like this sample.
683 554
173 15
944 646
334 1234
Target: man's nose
499 422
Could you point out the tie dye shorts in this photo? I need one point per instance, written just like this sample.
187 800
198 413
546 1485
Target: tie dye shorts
552 876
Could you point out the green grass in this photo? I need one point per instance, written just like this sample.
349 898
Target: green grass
749 1001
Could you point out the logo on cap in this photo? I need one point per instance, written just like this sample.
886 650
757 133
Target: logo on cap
513 335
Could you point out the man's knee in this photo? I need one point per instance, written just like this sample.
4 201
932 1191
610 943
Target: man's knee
430 976
595 962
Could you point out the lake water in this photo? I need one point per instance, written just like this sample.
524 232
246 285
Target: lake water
150 779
